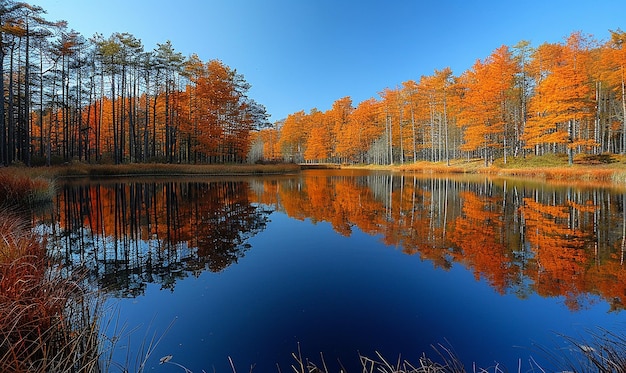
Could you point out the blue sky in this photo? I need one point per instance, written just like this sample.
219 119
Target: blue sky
299 55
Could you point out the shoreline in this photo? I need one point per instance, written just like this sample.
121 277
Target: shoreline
605 174
613 173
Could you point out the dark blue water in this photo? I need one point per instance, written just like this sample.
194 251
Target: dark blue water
249 270
303 286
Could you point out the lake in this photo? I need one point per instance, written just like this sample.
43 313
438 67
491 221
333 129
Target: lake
344 262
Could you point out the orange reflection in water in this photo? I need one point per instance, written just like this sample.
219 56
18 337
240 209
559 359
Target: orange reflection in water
554 241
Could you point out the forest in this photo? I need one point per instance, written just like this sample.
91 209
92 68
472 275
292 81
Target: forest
68 98
567 99
101 99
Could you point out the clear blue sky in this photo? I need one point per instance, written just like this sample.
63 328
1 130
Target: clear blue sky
304 54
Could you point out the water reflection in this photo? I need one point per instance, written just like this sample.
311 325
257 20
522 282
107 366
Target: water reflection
522 238
128 234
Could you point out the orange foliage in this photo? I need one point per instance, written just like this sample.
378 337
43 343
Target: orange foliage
319 144
563 102
293 137
541 100
480 234
488 88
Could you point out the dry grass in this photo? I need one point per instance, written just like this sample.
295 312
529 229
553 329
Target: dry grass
163 169
550 168
18 188
48 323
447 362
602 351
455 167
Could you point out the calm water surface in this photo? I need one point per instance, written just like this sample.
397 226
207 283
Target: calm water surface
345 262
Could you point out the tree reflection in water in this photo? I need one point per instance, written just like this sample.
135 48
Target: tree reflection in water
522 237
556 241
129 234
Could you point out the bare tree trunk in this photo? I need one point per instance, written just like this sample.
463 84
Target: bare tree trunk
11 115
623 113
414 134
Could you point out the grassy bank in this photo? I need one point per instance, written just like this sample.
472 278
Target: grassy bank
598 169
160 169
602 169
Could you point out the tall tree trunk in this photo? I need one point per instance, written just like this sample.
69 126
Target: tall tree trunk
146 119
570 151
623 112
389 128
41 110
98 121
27 98
115 129
414 134
122 124
11 115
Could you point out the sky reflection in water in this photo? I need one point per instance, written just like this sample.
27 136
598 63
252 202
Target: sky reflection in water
301 283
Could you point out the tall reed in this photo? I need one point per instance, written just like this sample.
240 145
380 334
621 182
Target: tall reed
19 189
48 320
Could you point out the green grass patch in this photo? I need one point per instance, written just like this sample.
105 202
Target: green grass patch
532 161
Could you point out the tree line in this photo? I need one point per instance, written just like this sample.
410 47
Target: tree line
109 99
565 98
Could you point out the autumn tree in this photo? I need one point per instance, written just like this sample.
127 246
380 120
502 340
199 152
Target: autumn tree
169 62
434 93
293 137
264 145
9 29
21 26
392 107
320 139
342 133
410 93
523 91
365 127
215 114
487 99
610 75
561 110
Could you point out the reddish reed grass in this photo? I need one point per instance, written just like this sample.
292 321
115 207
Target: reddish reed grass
47 324
17 188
